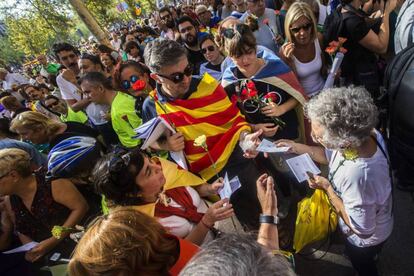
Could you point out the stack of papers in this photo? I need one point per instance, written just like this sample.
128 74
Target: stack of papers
301 164
229 187
152 130
23 248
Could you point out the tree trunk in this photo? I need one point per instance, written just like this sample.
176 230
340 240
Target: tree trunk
90 21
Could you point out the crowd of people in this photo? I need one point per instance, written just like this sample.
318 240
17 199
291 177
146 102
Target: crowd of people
76 180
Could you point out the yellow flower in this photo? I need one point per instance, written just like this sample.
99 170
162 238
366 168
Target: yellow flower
350 154
200 141
57 231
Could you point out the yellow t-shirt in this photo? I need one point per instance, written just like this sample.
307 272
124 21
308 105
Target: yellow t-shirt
73 116
125 119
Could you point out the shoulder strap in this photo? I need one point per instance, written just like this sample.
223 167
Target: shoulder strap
389 169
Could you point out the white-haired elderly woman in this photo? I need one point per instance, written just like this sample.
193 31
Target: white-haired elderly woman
359 185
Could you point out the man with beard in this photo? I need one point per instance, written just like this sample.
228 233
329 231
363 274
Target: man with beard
167 22
189 36
68 56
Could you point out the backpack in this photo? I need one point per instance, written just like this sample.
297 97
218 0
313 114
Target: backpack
399 95
334 23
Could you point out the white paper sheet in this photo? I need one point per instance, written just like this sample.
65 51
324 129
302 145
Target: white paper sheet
267 146
329 83
301 164
23 248
229 187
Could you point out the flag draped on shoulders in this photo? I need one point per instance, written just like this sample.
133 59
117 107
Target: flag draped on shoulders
175 177
208 111
275 72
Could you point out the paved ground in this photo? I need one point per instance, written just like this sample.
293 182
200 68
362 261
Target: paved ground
397 257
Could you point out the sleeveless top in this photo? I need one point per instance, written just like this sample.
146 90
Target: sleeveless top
44 212
309 74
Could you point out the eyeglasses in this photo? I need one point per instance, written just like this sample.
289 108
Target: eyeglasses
168 16
304 27
179 77
187 29
126 84
210 48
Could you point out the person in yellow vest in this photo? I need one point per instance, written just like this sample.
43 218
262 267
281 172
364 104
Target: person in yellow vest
66 113
200 106
123 116
161 189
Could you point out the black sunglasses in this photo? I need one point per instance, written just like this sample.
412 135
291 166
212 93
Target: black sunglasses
304 27
179 77
230 32
126 84
210 48
166 17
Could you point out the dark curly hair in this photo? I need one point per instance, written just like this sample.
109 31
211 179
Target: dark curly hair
114 176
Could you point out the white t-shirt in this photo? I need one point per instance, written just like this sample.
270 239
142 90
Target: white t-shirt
69 91
364 186
309 74
181 227
116 44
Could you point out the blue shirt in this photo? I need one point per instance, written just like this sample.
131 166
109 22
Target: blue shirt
37 158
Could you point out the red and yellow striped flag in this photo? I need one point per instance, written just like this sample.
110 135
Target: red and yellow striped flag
207 111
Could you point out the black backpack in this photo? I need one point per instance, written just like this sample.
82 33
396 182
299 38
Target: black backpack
399 93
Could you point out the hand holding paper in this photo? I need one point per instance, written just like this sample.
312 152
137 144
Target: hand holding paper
267 146
301 165
229 187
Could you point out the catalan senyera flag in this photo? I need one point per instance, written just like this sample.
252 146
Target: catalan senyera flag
175 177
207 111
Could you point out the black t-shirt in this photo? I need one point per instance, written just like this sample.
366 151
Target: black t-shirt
196 58
290 130
357 57
73 129
214 67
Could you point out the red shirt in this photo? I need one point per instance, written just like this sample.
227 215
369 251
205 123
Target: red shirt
187 251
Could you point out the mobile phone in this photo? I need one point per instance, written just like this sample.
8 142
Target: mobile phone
310 176
55 257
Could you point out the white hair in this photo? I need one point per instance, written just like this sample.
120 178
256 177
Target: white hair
348 115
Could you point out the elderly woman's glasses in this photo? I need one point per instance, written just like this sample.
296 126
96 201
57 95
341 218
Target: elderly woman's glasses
126 84
179 76
304 27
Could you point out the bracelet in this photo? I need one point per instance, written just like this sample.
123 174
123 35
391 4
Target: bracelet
205 225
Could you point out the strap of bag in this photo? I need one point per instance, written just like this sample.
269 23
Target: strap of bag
389 171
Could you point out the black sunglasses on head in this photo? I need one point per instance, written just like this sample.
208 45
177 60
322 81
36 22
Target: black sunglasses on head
210 48
179 77
230 32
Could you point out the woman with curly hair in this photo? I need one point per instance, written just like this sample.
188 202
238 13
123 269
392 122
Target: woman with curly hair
359 182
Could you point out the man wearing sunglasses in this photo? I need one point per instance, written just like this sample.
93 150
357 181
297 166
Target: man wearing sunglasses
124 119
167 20
195 106
189 36
265 32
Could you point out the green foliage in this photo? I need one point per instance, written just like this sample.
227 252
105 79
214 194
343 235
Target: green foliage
8 53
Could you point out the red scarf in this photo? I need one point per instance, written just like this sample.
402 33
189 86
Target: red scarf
183 198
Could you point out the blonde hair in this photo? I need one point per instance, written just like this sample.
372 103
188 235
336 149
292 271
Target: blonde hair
126 242
296 11
10 102
35 120
15 159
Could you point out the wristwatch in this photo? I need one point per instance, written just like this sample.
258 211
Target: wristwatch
269 219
